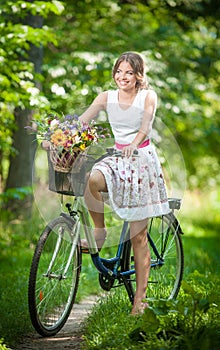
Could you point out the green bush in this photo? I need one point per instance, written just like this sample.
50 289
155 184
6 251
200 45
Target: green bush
3 346
190 323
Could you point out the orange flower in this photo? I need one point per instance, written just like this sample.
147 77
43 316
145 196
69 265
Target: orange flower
58 138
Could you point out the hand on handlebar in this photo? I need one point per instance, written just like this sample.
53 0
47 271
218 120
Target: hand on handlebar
118 153
129 150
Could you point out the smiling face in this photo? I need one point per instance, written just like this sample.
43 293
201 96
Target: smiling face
129 67
124 77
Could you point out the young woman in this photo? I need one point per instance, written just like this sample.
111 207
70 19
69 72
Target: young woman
135 185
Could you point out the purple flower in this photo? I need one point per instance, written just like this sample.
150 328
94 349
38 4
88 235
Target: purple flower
73 127
68 117
85 127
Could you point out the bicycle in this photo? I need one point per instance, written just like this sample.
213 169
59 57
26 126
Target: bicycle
57 260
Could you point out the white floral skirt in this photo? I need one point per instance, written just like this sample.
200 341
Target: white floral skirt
136 187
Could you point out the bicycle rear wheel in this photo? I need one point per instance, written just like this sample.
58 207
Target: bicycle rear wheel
167 259
54 276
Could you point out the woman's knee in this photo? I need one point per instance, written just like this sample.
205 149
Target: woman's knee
93 197
97 181
95 185
139 239
138 228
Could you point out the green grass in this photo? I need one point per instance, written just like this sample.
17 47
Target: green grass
17 244
16 252
110 324
193 323
190 323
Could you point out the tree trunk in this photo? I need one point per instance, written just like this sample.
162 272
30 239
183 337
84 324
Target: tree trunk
22 163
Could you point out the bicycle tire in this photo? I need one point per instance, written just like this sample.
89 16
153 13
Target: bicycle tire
51 295
165 279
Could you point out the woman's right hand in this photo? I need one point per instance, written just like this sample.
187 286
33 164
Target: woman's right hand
45 145
128 151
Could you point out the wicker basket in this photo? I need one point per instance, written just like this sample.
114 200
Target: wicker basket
73 181
62 160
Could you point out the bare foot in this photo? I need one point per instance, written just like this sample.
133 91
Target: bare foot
100 237
138 308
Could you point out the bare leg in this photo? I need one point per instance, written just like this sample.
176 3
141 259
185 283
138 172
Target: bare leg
142 263
93 198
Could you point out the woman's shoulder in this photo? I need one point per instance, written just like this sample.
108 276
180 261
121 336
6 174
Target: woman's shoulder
149 94
112 96
105 94
101 97
106 97
112 92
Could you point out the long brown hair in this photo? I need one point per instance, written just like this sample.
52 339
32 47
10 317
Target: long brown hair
137 64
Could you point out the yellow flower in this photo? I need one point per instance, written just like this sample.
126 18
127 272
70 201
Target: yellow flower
82 147
84 136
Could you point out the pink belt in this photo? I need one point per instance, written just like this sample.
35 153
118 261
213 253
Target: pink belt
143 144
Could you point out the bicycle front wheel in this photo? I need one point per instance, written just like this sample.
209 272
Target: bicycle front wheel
54 276
167 259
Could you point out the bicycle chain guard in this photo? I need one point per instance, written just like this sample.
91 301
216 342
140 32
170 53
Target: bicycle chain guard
106 282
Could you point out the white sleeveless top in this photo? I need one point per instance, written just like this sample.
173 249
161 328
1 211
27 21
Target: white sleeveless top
135 185
125 123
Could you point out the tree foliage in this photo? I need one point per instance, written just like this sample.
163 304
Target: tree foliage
17 74
179 40
21 32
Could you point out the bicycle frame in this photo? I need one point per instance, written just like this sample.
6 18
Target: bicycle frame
97 261
101 263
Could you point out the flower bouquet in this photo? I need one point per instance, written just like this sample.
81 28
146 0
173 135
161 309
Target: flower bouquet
67 137
67 142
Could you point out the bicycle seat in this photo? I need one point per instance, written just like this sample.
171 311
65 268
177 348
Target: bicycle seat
174 203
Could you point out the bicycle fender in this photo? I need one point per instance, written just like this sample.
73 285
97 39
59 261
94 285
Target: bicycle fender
68 218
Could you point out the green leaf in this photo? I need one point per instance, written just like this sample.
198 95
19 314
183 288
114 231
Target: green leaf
204 305
58 7
149 318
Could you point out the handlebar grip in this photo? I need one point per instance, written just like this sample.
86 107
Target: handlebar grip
110 150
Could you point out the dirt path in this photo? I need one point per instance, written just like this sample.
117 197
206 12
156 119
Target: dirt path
69 337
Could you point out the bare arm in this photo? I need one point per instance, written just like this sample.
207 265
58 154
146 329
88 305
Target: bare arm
98 104
146 126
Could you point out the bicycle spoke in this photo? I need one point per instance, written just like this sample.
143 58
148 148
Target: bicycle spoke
166 259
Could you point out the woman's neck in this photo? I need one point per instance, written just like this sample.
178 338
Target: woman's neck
127 95
126 98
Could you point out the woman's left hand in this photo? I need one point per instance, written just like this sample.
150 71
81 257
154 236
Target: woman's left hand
128 151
